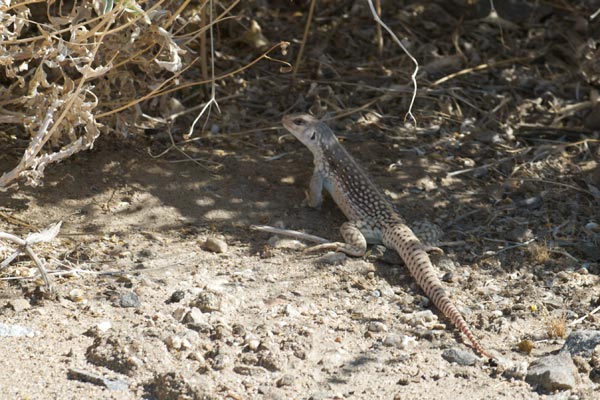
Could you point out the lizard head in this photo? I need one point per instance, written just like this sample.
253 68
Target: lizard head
309 130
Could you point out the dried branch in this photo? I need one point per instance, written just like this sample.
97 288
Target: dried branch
47 235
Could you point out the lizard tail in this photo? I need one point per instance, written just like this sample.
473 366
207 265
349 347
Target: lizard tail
401 238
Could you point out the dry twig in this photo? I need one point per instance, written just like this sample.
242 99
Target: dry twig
289 232
46 235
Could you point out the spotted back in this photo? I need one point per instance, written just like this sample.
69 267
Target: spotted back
347 182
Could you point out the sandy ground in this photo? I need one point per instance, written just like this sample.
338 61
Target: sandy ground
262 320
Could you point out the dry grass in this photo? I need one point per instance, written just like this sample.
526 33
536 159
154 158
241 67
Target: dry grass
556 327
64 63
539 253
71 73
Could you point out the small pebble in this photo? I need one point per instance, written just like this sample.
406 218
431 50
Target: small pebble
215 245
449 277
15 331
420 318
291 311
90 377
176 297
399 341
185 344
332 258
582 271
285 243
19 305
129 300
76 295
251 341
194 316
174 342
103 326
460 357
517 371
592 226
208 301
285 380
180 313
377 326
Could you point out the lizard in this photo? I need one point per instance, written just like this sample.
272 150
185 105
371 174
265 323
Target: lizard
371 216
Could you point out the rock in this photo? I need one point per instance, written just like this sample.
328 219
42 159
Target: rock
180 313
222 331
19 305
215 245
460 357
582 364
388 256
272 360
399 341
285 243
554 372
377 326
90 377
516 371
530 202
581 343
589 249
248 370
221 358
208 301
520 234
76 295
194 316
174 342
238 330
103 326
114 353
320 395
333 359
285 380
176 297
420 318
291 311
174 385
15 330
129 300
332 258
251 341
426 184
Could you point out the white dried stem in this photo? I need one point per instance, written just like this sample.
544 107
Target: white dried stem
414 60
289 232
46 235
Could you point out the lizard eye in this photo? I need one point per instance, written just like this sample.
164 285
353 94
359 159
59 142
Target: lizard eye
298 121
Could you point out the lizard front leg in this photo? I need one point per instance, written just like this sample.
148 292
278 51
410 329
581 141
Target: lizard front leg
314 196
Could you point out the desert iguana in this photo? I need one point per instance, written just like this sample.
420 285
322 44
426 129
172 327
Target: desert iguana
372 218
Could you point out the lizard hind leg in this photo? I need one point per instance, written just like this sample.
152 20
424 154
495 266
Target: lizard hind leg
354 244
429 234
